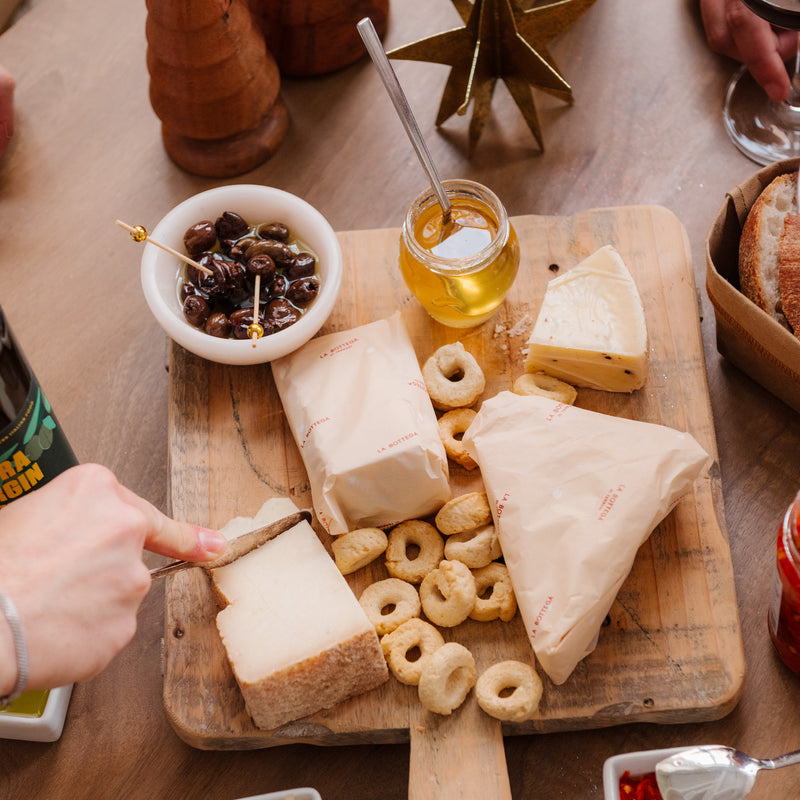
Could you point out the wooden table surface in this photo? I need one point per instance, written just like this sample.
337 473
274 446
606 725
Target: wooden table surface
645 128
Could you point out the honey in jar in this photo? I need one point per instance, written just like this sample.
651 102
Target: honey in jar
462 274
784 610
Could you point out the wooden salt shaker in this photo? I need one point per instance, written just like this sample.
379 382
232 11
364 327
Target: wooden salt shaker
311 37
214 86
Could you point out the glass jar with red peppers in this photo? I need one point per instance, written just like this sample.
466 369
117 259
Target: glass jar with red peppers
784 609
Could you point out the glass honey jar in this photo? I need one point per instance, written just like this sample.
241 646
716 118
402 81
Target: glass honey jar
784 609
460 274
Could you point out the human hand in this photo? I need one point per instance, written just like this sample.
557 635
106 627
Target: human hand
72 564
6 108
735 31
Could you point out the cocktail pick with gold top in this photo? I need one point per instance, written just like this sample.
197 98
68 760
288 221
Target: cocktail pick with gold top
500 40
139 234
255 330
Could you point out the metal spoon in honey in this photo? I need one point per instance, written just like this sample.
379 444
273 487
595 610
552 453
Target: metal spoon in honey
378 55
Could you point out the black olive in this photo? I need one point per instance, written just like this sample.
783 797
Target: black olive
303 292
241 319
201 236
186 290
213 284
303 265
235 282
196 310
218 325
279 252
261 265
280 313
279 286
239 247
231 226
273 230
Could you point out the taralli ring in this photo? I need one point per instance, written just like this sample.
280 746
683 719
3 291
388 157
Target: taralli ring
416 635
545 385
448 594
408 536
447 678
509 691
501 602
464 513
451 425
453 377
356 549
394 594
475 548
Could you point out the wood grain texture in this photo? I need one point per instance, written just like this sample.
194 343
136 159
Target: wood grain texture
671 651
645 128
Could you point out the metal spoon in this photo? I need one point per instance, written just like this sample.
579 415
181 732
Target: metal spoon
378 55
713 772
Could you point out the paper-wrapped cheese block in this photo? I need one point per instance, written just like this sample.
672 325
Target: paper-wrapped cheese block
295 635
362 419
574 494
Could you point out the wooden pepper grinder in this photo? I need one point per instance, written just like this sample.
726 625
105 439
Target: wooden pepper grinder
311 37
214 86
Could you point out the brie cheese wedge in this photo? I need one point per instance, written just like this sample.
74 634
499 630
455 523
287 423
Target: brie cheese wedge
591 328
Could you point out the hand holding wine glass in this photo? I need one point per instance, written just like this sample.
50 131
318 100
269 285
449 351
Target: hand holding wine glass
764 130
735 31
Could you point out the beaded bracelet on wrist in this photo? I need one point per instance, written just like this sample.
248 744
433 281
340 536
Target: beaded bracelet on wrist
9 610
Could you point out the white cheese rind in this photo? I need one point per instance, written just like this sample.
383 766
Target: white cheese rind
295 635
591 327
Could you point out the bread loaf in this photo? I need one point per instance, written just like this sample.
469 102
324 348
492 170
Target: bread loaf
760 244
295 635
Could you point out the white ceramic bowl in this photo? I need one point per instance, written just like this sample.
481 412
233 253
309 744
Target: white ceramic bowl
638 763
289 794
256 204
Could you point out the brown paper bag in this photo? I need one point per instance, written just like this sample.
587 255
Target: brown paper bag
367 432
747 336
574 493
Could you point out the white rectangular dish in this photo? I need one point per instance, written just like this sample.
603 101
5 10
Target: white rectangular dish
637 763
44 728
288 794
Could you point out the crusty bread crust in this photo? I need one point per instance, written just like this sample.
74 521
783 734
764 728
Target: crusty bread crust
760 242
334 675
789 271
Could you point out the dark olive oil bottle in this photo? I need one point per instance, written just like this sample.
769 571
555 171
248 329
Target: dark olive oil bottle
33 450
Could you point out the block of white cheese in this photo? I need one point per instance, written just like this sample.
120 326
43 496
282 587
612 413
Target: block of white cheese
295 635
591 327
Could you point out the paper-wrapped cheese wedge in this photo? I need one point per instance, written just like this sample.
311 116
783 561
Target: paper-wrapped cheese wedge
574 494
295 635
363 421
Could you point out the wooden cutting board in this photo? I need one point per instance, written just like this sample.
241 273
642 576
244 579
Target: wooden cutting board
670 650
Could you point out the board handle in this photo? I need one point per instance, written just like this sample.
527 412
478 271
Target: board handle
457 757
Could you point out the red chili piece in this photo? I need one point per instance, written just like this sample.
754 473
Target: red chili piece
643 787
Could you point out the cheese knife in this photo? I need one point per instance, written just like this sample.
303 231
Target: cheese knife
239 546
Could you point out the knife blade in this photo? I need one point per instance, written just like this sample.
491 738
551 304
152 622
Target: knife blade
239 546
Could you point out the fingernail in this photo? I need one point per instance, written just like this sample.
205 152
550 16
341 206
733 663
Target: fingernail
211 541
776 92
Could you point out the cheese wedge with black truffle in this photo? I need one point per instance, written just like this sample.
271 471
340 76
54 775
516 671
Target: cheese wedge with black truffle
591 327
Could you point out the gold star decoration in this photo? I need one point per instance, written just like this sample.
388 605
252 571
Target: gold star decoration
499 41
